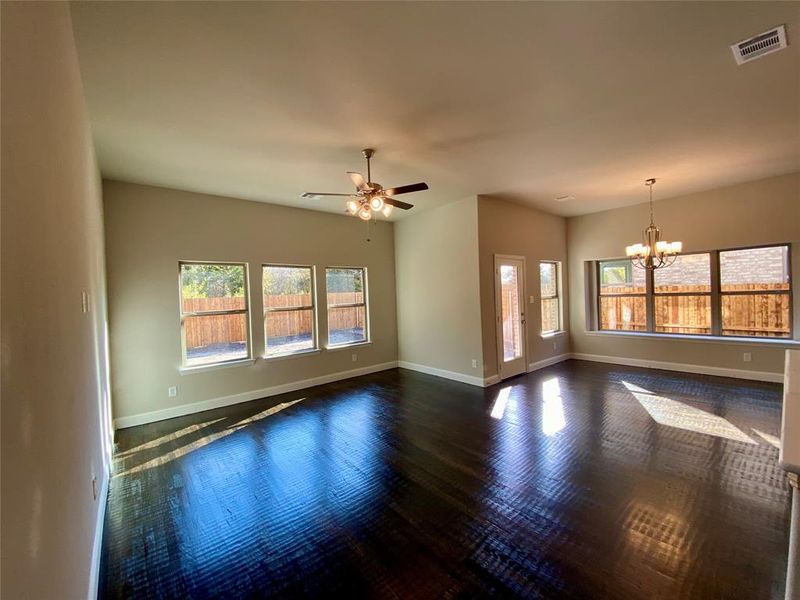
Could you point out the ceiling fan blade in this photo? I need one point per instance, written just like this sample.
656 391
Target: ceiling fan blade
316 195
405 189
398 203
358 180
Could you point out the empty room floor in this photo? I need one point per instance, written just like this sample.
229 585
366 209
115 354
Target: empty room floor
578 480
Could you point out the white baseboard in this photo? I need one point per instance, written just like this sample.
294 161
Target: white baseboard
470 379
195 407
97 546
541 364
686 368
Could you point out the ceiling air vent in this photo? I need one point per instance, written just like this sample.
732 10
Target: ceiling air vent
760 45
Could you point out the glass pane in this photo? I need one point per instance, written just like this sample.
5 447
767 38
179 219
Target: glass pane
689 273
212 287
762 315
623 313
548 279
287 287
289 331
215 338
621 277
683 314
549 314
512 328
347 325
344 286
754 269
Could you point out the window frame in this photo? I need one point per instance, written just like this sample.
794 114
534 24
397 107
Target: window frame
599 296
789 292
712 296
715 294
368 330
557 296
202 313
312 307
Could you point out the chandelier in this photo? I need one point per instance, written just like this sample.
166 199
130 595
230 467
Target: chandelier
654 253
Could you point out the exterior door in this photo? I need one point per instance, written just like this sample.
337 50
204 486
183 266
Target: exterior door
509 285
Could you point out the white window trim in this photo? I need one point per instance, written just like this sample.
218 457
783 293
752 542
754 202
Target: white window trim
314 320
714 339
235 362
368 333
228 364
559 296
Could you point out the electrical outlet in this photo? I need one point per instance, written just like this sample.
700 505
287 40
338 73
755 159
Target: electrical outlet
172 391
747 357
474 363
355 357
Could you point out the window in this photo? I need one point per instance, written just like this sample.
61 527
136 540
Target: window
289 315
621 302
744 292
215 321
549 281
755 285
683 296
347 305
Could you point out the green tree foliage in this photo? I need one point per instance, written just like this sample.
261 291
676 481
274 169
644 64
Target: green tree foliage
212 281
344 280
287 280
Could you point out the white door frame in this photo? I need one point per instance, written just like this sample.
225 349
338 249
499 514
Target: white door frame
512 368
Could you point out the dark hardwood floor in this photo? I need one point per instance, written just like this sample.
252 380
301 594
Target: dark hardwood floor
580 480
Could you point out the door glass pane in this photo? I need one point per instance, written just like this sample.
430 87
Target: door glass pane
762 315
512 328
623 313
621 277
689 273
754 269
289 331
683 314
215 338
212 287
347 325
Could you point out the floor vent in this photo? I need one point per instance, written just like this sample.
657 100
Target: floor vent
760 45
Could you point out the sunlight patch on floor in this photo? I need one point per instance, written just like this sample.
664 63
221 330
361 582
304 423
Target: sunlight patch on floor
206 440
500 403
767 437
553 419
673 413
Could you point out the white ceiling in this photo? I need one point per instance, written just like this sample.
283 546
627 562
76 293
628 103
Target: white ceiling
527 101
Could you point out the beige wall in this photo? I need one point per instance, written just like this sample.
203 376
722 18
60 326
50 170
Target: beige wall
438 307
149 229
54 391
506 228
758 212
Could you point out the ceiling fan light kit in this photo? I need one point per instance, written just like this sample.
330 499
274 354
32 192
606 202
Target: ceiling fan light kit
370 197
654 253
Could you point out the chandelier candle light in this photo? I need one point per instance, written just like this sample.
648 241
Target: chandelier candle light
654 253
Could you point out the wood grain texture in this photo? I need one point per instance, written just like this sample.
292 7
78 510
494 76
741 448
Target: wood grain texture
594 481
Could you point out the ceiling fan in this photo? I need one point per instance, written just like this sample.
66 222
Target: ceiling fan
369 196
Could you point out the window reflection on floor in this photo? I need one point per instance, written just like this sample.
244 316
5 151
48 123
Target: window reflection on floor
500 403
552 408
673 413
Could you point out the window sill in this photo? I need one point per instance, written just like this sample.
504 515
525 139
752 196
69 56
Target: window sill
712 339
298 354
245 362
347 346
552 334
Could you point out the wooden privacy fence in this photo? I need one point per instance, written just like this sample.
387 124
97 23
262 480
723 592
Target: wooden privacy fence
748 313
227 329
